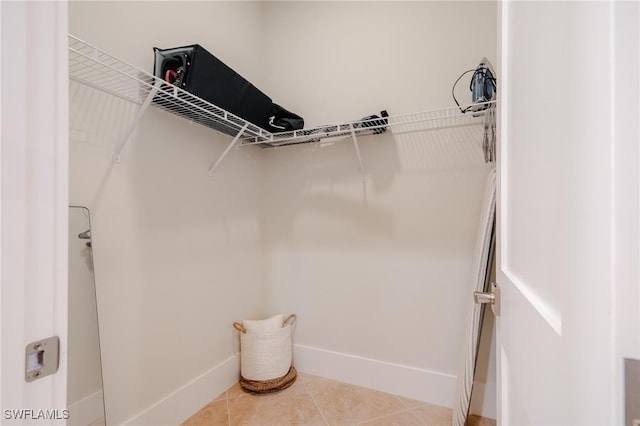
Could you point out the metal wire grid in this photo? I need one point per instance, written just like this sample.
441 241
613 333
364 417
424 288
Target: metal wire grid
333 131
96 68
437 119
399 124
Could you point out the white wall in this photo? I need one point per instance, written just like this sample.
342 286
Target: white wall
337 61
178 255
378 267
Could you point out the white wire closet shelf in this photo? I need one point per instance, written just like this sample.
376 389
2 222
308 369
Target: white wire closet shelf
96 68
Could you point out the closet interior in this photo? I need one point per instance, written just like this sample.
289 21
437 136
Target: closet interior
98 69
366 231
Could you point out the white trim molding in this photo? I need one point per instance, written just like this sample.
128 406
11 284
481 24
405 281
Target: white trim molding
410 382
181 404
87 411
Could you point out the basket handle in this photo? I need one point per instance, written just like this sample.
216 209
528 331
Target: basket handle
290 319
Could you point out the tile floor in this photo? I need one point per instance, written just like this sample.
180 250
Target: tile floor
313 400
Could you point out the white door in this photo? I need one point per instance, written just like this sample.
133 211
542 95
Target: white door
33 206
567 210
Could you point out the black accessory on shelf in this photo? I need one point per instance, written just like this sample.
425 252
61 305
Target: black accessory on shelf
174 69
282 120
379 123
195 70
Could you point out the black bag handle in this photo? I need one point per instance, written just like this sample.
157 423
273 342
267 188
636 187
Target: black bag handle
175 66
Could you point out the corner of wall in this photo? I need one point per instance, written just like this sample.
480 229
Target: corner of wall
180 404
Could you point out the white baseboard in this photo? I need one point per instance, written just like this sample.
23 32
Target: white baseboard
410 382
178 406
87 410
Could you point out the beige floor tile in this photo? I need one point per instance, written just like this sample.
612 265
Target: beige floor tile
213 414
235 391
293 406
480 421
314 400
306 378
344 404
434 415
410 403
405 418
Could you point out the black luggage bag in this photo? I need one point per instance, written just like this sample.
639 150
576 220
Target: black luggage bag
195 70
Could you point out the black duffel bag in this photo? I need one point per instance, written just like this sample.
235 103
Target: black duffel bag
197 71
282 120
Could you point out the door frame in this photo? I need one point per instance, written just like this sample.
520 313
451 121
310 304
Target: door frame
33 204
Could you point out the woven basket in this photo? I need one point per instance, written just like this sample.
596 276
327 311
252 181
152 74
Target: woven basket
269 386
266 355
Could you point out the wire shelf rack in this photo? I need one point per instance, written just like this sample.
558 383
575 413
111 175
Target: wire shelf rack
414 122
100 70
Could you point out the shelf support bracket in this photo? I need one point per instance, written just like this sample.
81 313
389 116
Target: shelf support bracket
355 144
226 151
125 138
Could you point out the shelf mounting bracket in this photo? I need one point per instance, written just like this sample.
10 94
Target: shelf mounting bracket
125 138
355 144
226 151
